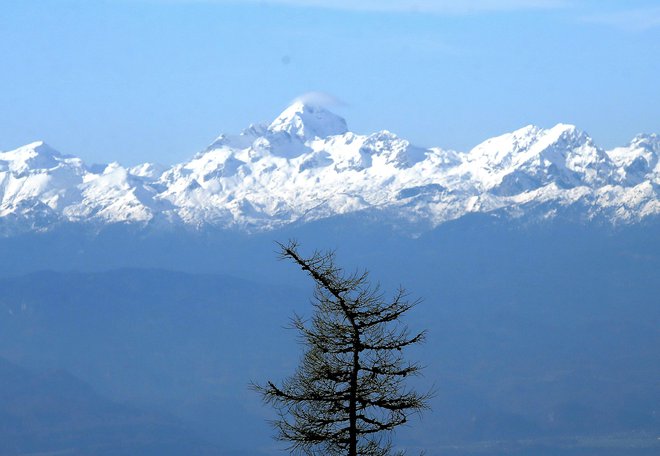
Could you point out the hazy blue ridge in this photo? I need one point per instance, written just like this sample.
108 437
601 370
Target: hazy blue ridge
542 338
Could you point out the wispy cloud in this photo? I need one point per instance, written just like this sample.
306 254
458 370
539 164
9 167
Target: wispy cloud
421 6
635 20
322 99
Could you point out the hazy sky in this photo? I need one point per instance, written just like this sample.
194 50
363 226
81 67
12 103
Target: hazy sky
157 80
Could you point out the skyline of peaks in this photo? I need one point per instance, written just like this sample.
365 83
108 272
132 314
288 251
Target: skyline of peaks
306 165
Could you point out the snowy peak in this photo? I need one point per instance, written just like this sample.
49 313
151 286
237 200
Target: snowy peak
307 121
148 170
529 143
575 156
532 157
33 156
288 136
34 148
307 166
649 142
639 160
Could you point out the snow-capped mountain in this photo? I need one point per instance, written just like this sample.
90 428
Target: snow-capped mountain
307 165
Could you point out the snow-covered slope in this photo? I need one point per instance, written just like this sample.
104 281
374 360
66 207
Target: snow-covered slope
306 165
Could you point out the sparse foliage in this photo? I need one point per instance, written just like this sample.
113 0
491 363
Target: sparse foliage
349 390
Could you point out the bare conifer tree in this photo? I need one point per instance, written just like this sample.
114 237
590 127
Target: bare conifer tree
349 391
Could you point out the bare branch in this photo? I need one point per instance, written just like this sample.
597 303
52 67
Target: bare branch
348 392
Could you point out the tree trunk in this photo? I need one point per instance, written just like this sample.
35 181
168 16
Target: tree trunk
352 411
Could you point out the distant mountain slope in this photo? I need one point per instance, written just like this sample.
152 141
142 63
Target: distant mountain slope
539 338
53 412
167 341
306 165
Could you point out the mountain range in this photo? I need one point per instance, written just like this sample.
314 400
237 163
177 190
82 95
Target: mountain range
306 165
138 303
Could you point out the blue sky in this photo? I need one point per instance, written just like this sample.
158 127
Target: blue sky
157 80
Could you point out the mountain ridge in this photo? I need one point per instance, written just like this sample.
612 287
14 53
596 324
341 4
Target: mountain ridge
307 165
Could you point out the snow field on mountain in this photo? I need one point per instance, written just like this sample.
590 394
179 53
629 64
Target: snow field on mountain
306 165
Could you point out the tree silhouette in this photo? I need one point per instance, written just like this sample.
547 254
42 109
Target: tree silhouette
349 391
